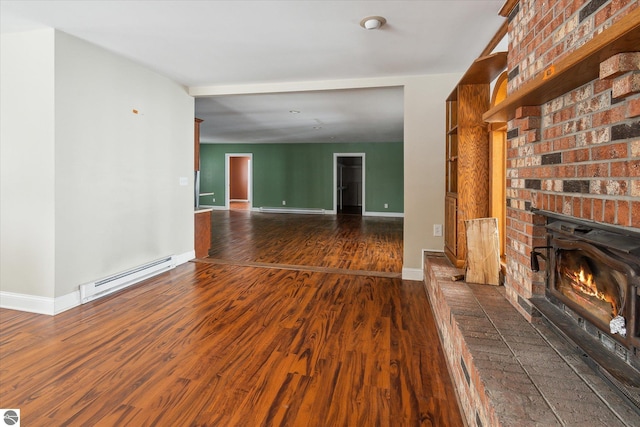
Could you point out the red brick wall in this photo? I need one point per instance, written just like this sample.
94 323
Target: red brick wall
542 32
579 154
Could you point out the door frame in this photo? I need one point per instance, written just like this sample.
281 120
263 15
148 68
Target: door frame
227 180
335 179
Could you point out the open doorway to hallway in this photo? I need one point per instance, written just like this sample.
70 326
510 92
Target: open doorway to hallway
348 171
239 184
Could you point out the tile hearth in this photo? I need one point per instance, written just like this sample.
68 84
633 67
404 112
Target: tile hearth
508 371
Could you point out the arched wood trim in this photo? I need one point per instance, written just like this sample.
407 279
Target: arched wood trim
500 89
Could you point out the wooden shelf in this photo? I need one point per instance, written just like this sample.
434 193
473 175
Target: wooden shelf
572 71
467 152
483 70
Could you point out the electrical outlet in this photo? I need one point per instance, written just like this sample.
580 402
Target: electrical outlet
284 203
214 200
386 205
437 230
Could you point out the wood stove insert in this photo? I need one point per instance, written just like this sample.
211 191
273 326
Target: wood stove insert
592 295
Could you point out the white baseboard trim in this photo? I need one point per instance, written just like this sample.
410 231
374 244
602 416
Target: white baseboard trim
322 211
214 207
37 304
412 274
65 302
315 211
53 306
417 273
184 257
386 214
28 303
431 250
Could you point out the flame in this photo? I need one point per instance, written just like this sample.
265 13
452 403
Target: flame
584 282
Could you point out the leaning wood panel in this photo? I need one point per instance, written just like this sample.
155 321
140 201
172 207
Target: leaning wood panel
483 251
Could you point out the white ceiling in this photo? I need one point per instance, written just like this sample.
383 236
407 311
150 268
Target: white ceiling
235 43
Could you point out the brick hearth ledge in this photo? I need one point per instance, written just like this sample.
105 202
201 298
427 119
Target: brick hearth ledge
507 371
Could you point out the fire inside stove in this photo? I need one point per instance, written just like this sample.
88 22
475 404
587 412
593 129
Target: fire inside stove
594 286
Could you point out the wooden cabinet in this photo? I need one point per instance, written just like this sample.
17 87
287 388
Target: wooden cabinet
202 233
467 152
202 216
451 224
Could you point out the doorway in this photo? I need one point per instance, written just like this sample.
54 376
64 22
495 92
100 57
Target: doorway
349 183
238 181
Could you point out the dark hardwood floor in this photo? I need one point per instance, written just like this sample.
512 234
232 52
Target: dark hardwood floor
249 337
350 242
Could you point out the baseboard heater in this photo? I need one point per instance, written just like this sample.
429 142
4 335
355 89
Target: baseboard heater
116 282
294 210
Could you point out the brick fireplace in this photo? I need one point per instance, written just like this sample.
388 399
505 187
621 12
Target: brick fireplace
572 169
575 156
578 154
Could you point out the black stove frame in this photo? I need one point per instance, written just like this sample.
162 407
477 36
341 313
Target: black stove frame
614 357
562 240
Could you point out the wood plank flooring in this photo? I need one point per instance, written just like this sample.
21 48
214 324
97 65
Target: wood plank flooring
225 344
335 241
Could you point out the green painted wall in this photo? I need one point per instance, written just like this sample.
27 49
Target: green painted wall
302 174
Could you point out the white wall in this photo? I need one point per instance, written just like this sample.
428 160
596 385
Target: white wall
89 188
424 161
27 169
118 199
